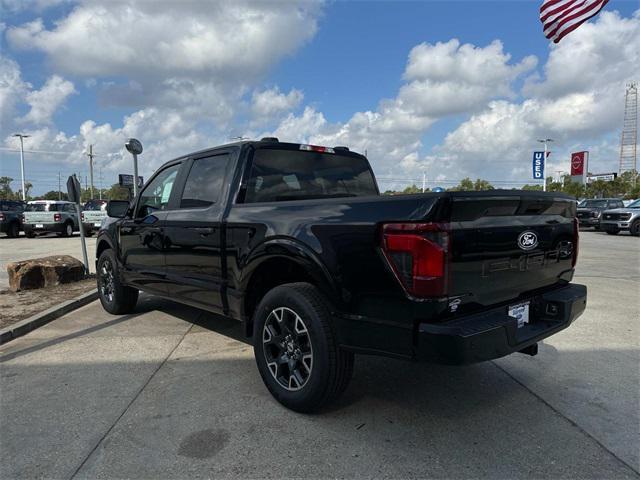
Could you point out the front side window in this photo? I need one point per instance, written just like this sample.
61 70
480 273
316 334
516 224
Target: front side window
204 182
280 175
156 195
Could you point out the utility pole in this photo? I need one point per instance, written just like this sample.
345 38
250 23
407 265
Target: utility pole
59 188
100 182
544 176
424 181
90 155
22 137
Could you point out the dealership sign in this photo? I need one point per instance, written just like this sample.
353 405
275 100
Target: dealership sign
604 177
127 181
579 166
578 161
538 165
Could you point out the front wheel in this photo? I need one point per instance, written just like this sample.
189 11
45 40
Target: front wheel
115 297
296 350
634 229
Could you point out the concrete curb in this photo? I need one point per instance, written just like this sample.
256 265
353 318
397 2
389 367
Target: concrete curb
39 319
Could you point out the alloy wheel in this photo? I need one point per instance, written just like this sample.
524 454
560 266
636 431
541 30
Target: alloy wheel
287 348
106 281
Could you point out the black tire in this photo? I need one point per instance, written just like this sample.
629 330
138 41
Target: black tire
115 297
30 233
68 230
634 229
612 232
330 368
88 232
14 230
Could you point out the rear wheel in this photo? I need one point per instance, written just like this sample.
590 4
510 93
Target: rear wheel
634 229
115 297
296 350
68 230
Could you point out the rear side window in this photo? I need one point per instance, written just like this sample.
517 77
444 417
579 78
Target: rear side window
204 183
280 175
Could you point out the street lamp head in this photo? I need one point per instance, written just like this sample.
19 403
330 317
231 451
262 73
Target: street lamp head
134 146
21 135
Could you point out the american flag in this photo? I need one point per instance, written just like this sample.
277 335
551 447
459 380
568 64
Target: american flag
560 17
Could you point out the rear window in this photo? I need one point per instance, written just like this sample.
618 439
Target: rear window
280 175
593 204
44 207
37 207
95 205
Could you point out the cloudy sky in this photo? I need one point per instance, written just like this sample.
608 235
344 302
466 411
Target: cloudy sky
451 88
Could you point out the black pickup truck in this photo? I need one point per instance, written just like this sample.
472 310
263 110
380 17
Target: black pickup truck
296 242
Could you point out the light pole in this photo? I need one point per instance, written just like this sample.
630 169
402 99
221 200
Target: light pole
544 176
22 137
135 148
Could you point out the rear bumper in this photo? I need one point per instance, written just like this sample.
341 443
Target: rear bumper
494 334
46 227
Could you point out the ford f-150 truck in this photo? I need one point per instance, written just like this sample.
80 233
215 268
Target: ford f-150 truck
296 242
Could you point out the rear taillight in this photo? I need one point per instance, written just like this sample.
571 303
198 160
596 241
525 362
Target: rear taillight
418 254
1 217
82 216
57 217
576 239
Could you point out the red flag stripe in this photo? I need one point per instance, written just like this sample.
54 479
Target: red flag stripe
556 11
551 25
550 3
571 26
584 14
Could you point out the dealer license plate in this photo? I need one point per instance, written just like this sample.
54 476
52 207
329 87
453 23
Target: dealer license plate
520 312
39 225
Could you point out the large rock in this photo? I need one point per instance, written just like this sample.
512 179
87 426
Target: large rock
44 272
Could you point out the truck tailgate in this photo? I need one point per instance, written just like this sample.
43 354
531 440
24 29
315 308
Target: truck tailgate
39 217
505 246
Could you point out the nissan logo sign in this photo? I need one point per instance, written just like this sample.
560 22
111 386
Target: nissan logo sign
527 240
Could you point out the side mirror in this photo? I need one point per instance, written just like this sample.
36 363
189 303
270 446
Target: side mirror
117 208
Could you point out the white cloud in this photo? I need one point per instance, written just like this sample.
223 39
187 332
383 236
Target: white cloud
48 99
12 88
442 80
578 103
269 105
448 78
137 37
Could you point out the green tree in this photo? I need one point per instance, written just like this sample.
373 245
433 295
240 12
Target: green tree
412 189
5 188
480 185
55 195
533 188
116 192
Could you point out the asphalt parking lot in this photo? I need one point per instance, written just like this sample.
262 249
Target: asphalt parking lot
23 248
172 392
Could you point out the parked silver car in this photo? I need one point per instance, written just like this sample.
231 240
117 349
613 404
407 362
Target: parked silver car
619 219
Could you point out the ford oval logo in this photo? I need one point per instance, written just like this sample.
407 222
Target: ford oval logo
527 240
